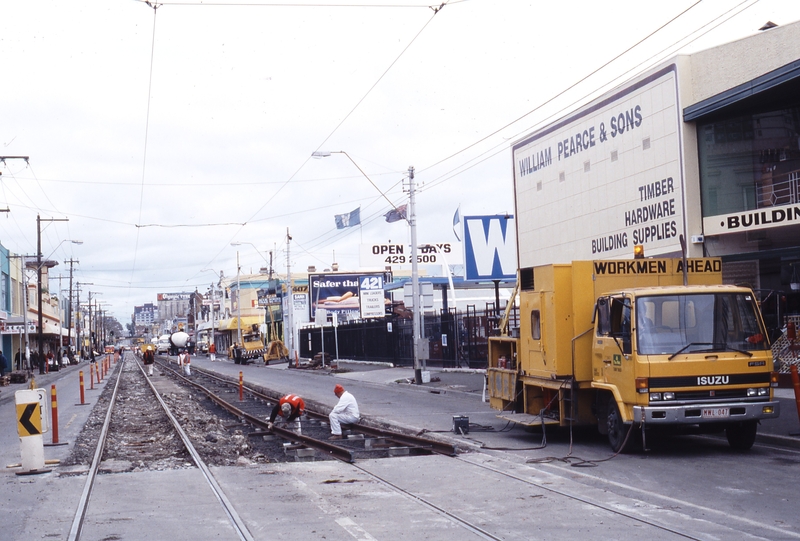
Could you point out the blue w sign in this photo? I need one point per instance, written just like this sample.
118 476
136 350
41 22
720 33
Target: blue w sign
490 247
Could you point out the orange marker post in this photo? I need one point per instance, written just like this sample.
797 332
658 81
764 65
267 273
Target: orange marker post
91 377
241 387
54 407
83 397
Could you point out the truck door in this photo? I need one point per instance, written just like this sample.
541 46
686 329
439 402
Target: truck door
614 362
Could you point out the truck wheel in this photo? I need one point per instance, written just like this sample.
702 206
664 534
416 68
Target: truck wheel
618 430
742 436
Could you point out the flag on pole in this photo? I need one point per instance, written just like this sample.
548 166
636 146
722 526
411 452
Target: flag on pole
397 214
456 221
348 219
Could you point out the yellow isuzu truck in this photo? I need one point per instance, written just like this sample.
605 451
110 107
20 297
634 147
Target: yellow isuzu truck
635 345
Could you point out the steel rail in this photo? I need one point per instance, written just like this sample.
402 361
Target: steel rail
467 525
236 521
336 451
587 501
83 503
435 446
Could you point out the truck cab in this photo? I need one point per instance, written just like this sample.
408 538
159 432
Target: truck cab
682 357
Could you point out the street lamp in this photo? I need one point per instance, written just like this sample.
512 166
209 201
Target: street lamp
213 299
238 300
267 261
412 222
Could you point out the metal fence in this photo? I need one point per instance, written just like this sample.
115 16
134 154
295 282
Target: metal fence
456 339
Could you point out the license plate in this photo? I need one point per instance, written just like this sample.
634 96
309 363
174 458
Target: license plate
716 413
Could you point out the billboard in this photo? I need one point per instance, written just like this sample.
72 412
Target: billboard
341 293
609 177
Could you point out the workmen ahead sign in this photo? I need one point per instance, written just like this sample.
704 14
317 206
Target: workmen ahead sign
490 247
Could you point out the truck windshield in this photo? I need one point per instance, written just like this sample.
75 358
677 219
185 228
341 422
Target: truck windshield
669 324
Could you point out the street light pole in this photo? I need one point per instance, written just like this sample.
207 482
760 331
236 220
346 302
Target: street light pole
238 301
213 299
290 307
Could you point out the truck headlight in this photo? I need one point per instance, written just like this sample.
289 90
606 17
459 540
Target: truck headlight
655 397
669 396
752 392
763 391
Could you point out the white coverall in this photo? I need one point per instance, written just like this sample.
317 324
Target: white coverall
345 411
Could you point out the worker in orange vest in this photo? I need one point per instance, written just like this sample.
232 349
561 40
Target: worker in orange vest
290 408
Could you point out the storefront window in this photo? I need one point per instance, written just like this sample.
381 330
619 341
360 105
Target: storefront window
750 162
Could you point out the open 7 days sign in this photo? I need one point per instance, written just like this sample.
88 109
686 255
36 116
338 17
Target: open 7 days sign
386 255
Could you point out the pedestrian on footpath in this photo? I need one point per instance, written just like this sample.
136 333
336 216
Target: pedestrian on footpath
185 362
3 363
212 352
149 358
345 411
290 408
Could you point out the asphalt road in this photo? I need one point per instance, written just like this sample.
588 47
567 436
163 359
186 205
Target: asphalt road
521 485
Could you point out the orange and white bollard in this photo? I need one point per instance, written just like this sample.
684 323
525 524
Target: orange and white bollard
54 410
91 377
54 416
83 390
241 387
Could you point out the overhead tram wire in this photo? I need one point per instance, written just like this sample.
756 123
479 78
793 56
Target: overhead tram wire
340 233
503 146
335 129
570 87
146 135
299 5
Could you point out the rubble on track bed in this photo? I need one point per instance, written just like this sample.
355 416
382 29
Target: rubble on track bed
141 436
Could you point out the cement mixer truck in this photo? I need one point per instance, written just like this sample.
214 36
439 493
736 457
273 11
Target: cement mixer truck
178 341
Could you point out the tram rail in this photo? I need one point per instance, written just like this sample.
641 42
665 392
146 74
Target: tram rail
262 403
83 505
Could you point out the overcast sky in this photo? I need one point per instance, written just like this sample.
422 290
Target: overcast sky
165 134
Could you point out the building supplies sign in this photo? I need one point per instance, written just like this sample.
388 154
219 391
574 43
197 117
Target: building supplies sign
603 180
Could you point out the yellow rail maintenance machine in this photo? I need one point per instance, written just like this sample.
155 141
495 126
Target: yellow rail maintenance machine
626 346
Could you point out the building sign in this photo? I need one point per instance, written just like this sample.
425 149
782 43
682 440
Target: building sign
490 251
604 179
338 293
174 296
752 219
18 328
384 255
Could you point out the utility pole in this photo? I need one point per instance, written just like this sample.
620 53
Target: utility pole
412 222
290 293
40 330
69 304
238 301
